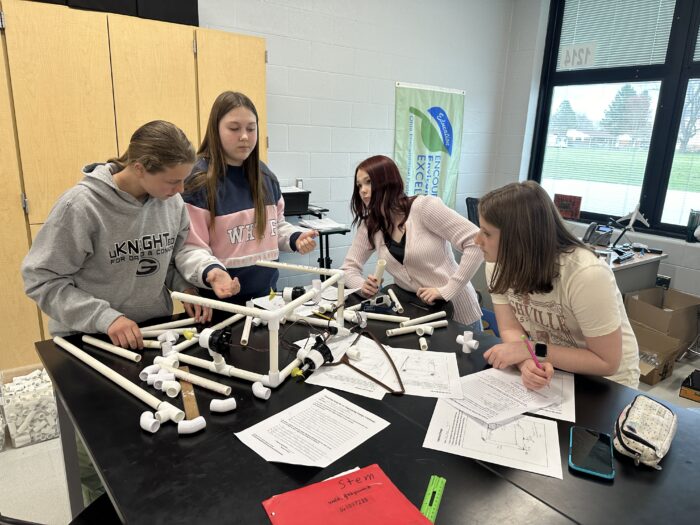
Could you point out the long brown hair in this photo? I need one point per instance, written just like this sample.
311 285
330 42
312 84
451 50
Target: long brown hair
213 152
533 236
156 145
387 199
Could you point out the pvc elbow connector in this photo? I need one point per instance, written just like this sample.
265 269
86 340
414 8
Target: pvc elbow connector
168 412
150 369
222 405
171 388
149 423
261 391
190 426
161 378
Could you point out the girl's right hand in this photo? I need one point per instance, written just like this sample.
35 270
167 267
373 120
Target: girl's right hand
535 378
370 287
125 333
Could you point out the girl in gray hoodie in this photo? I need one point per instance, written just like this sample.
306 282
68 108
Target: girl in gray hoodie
111 248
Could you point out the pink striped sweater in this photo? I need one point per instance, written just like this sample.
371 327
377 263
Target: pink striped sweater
431 229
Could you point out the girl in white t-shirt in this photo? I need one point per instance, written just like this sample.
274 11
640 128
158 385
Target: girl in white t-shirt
548 286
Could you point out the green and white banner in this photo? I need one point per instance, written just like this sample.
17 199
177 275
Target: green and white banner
428 139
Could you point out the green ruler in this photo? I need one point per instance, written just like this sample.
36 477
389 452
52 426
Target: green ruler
433 496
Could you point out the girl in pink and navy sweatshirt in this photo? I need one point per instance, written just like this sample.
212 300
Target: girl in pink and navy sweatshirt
235 203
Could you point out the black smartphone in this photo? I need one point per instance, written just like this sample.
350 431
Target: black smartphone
591 452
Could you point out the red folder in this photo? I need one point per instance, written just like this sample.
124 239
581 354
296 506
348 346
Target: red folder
366 496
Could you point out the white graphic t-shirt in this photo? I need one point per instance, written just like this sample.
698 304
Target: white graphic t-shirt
585 302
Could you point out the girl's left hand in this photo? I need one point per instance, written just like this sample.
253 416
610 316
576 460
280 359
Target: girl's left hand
428 295
305 242
506 354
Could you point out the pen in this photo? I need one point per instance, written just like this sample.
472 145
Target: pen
532 353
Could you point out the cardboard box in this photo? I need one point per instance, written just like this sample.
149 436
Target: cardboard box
670 312
658 345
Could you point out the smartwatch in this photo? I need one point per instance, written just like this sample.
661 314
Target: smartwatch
541 351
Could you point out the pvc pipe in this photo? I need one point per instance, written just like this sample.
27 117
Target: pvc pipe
121 352
423 343
353 353
199 381
260 391
190 426
150 369
148 422
257 322
160 331
150 344
379 270
437 324
246 331
228 370
300 267
424 319
420 329
23 427
106 371
222 405
354 307
171 324
395 300
387 317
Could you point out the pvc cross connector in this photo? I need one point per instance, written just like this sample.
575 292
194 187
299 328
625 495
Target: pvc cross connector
468 342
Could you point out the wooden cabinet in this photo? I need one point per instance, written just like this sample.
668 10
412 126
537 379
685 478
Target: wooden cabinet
75 86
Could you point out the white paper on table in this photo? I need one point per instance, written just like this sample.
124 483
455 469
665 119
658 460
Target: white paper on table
314 432
563 384
495 396
528 443
425 374
373 361
329 296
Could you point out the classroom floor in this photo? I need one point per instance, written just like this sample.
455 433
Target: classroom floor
32 480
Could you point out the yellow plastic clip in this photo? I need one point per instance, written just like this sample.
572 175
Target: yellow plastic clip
296 372
189 334
273 294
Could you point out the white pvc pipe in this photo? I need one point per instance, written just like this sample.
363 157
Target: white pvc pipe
190 426
379 270
149 423
299 267
424 319
199 380
226 370
261 391
437 324
395 300
353 353
400 331
159 332
109 347
147 343
387 317
165 409
423 343
354 307
246 330
222 405
172 324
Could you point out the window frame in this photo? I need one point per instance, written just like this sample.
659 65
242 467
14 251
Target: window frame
674 75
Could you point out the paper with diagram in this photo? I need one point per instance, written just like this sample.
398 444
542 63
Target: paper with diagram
528 443
565 409
314 432
426 374
496 396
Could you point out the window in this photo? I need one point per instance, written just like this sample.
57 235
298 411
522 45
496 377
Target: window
618 120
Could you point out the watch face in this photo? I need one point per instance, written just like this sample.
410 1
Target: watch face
541 350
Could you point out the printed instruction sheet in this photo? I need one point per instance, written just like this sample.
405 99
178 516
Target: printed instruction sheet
565 409
496 396
314 432
528 443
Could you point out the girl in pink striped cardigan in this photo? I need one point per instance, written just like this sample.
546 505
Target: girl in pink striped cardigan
415 235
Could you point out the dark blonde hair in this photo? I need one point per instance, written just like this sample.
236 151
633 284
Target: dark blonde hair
533 236
212 150
157 145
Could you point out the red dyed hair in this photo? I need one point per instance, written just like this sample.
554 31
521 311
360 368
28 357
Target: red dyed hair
388 198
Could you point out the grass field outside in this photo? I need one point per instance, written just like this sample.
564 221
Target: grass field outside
621 166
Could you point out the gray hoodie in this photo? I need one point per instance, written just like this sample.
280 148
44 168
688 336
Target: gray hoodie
102 253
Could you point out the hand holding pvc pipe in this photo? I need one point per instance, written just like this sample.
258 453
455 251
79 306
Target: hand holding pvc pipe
125 333
201 314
